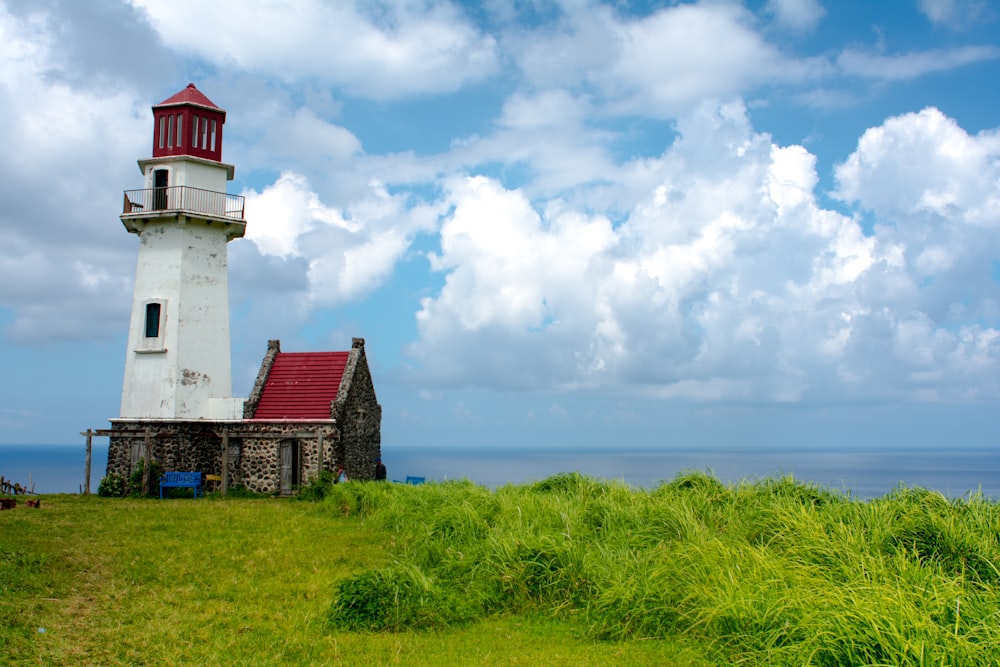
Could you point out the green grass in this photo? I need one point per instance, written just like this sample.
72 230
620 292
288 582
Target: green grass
236 582
567 571
769 573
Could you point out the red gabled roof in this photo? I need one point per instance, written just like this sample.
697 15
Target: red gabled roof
301 385
189 95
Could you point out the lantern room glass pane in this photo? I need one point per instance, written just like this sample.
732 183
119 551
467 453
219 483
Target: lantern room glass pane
180 130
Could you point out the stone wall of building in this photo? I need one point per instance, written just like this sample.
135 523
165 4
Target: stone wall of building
254 455
359 416
174 445
250 405
261 461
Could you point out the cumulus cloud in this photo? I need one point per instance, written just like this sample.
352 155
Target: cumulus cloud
729 281
382 50
954 179
512 277
349 252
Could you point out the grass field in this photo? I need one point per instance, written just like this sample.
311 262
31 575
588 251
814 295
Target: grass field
568 571
96 581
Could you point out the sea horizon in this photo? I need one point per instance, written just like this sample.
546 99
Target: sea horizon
863 472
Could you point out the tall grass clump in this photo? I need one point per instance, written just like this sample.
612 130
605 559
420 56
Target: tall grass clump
772 571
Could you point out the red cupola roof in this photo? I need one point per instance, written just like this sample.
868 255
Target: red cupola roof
188 123
190 95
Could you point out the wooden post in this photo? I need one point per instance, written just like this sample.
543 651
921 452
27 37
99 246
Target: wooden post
86 467
225 462
147 470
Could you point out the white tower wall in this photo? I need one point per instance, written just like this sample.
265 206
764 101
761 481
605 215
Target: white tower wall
189 171
184 371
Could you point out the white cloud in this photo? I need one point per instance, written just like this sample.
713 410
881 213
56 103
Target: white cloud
911 65
939 11
923 165
952 13
281 135
349 252
690 53
728 281
801 15
512 275
382 50
283 212
66 263
662 64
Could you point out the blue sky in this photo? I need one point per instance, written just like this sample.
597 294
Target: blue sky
577 223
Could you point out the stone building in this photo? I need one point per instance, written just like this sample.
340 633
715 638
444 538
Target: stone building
308 411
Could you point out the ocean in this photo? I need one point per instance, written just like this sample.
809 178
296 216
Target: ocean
864 472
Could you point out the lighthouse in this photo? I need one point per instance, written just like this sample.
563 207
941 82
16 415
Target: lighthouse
178 363
308 412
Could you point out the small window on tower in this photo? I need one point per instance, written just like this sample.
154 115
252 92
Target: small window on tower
213 136
194 132
170 131
151 337
163 120
153 320
204 132
180 131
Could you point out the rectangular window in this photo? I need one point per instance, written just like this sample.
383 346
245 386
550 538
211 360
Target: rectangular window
153 320
204 132
180 131
213 136
163 120
152 336
194 133
170 131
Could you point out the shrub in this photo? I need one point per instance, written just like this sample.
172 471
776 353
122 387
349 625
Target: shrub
394 598
135 479
113 486
319 488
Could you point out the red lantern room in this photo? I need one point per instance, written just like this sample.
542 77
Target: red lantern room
188 123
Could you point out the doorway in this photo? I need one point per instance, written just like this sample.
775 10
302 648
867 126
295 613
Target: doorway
161 178
289 456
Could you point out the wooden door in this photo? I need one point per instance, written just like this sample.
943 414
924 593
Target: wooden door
289 459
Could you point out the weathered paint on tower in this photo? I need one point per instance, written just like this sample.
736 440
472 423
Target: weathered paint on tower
177 363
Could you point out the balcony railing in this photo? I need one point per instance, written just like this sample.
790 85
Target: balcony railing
183 198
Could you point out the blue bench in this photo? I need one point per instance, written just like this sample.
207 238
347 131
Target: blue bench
181 480
410 479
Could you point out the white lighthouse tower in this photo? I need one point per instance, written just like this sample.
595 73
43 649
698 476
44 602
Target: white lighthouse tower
177 364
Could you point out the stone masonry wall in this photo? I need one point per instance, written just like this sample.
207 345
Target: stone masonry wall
250 405
359 416
254 449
